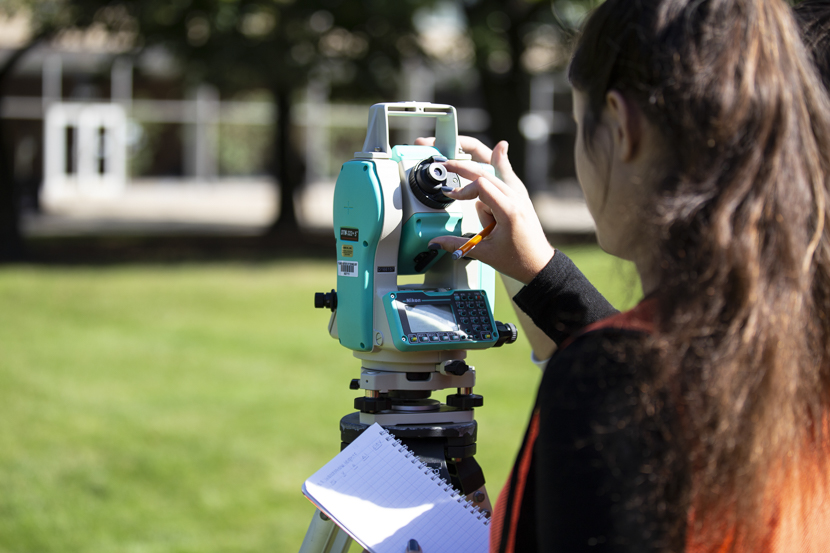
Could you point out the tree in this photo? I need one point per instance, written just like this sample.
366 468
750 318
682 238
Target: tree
277 44
513 41
45 17
283 44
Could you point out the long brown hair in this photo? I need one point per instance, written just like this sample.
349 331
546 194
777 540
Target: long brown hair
742 225
813 17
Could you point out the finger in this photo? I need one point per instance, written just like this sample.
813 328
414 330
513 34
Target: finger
472 171
475 148
504 170
496 201
449 243
472 146
485 214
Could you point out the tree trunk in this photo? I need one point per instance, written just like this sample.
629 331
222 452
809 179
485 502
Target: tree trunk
506 100
287 166
12 246
507 95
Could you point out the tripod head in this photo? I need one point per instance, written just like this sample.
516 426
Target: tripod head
412 339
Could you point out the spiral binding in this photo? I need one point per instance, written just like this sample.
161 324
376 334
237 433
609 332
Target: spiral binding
447 487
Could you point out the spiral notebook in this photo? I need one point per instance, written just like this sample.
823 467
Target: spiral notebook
381 494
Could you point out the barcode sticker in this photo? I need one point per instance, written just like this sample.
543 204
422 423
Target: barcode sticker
347 268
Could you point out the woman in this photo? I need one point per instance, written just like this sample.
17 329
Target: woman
697 421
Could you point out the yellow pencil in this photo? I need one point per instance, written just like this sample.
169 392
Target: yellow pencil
471 243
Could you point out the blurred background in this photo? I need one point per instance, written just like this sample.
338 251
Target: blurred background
232 117
166 178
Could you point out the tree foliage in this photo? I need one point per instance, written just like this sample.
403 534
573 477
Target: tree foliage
280 45
512 42
359 45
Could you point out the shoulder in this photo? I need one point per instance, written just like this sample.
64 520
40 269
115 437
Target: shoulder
618 341
597 363
604 374
640 319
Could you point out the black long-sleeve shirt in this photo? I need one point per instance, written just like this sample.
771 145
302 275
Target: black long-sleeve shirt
589 475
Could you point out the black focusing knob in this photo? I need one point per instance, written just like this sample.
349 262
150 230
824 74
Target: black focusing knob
426 180
508 333
326 300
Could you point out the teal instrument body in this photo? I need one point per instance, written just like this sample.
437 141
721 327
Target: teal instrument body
416 234
384 220
430 321
410 313
358 221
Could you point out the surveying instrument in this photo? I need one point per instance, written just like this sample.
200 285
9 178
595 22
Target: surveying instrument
411 339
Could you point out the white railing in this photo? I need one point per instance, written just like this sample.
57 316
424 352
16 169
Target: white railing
85 150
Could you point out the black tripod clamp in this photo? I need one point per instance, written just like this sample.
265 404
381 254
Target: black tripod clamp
446 448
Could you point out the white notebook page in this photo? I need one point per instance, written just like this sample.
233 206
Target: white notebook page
383 496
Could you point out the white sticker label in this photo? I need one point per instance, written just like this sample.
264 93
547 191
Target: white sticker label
347 268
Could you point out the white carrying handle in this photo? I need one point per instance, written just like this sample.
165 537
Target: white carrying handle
377 133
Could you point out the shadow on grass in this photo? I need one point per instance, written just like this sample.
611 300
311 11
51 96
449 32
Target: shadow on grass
162 249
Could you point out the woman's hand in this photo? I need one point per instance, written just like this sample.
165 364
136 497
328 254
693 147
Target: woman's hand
497 157
517 247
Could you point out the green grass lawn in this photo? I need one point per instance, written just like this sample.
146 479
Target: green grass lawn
148 409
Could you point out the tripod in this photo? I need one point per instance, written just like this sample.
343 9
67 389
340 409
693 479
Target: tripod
446 448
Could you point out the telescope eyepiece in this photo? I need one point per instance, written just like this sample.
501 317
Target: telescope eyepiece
437 173
426 180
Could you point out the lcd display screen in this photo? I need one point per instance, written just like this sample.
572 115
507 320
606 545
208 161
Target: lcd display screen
425 317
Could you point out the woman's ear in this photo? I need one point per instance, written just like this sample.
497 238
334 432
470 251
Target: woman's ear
625 122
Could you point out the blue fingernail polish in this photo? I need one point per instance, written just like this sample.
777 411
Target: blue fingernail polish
446 189
434 246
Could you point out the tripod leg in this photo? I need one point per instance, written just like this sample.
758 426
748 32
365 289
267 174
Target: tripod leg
481 500
323 536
